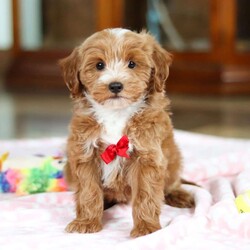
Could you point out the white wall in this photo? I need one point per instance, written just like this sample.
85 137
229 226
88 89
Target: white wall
6 35
30 24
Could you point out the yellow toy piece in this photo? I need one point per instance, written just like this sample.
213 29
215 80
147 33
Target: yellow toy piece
242 202
3 158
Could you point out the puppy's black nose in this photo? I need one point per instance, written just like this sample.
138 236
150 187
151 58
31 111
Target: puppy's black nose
115 87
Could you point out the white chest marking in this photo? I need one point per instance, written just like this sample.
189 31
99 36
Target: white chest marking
113 121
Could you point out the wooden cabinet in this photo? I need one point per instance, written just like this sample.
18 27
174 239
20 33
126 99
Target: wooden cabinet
225 67
213 55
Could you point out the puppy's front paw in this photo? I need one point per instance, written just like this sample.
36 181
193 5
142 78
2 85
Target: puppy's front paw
144 229
83 226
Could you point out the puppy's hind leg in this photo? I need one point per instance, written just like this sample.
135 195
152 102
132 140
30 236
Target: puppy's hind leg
68 176
174 194
178 197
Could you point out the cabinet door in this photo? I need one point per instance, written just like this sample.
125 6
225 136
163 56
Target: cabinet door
54 25
180 25
243 26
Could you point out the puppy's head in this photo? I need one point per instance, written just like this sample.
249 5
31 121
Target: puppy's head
116 67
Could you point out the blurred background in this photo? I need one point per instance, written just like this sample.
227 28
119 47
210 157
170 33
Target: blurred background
209 82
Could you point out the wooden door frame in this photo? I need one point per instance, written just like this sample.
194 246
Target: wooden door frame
110 13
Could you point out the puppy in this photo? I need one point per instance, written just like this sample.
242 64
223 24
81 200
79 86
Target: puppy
121 146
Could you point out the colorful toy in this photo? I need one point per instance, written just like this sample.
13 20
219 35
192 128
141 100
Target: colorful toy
243 202
43 178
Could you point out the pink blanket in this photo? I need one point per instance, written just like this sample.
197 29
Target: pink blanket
221 166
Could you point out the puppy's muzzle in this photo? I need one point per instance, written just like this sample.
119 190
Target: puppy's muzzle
115 87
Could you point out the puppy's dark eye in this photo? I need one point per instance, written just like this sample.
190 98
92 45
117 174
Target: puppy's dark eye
100 66
131 64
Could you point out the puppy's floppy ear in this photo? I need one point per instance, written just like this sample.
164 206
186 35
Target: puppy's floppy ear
161 60
70 67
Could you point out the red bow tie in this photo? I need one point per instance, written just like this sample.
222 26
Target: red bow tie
113 150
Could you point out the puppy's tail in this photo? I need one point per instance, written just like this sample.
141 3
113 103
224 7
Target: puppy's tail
183 181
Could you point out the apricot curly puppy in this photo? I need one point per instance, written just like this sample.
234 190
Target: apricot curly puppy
121 146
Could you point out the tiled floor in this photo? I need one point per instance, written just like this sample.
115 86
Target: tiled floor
34 116
222 116
27 116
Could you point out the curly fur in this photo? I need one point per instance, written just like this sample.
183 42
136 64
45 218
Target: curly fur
152 173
